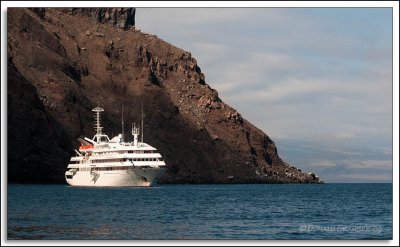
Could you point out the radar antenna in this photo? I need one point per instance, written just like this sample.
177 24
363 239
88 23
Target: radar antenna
97 125
135 133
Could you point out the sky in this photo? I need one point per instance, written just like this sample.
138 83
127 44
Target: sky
318 81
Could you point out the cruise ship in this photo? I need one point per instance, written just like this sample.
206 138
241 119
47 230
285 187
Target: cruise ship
104 162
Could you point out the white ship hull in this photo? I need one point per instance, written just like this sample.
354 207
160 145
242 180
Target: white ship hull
134 176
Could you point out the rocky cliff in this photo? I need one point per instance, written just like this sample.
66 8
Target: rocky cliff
64 62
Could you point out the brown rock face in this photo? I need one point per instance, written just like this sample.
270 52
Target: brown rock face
64 62
118 17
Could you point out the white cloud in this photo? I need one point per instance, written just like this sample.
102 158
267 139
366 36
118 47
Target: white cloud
360 177
285 89
377 164
190 17
322 163
337 163
344 135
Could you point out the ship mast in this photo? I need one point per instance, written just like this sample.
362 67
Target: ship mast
122 140
142 123
97 125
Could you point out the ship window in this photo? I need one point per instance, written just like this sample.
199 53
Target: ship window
68 176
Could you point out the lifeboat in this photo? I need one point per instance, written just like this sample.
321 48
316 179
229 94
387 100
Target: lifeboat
85 147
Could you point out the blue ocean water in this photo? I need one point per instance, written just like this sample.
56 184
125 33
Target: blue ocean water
201 212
